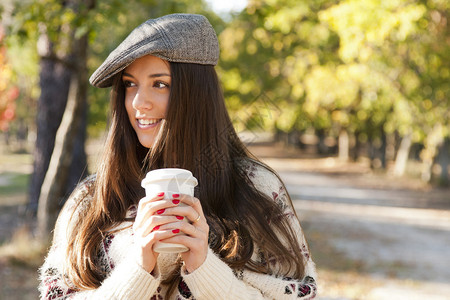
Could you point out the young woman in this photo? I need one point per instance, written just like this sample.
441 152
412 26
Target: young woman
244 239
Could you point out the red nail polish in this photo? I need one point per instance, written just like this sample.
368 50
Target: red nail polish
175 195
176 231
180 217
175 201
160 194
156 228
160 211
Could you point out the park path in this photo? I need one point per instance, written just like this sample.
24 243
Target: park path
396 234
372 237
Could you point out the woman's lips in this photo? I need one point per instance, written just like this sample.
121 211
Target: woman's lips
148 123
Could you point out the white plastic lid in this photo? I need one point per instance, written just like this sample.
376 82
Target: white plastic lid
169 173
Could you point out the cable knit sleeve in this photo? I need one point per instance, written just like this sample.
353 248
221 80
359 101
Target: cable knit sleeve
126 280
214 279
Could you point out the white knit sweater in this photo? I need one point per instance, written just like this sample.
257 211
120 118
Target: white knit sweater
214 279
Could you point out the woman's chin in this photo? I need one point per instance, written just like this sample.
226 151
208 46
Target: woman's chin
146 143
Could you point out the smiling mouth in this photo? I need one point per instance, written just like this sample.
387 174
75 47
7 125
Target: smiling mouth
147 122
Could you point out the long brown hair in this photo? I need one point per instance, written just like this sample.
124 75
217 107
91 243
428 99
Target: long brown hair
197 135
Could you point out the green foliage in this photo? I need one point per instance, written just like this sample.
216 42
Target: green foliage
270 48
369 66
393 39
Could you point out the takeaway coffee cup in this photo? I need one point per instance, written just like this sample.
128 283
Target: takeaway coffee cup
170 181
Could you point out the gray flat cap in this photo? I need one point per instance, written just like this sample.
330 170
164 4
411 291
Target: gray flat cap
183 38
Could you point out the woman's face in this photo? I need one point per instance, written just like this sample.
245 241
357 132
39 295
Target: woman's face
147 87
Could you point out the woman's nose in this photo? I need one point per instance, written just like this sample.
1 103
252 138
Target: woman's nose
142 100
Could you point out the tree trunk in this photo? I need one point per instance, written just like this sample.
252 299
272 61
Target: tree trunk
54 83
382 150
390 147
54 187
402 155
433 142
355 151
294 138
344 145
443 161
78 168
68 160
321 147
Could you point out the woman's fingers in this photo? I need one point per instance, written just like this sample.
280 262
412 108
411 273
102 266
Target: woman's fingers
152 215
156 236
144 208
191 201
160 218
190 207
180 222
197 226
156 222
152 206
158 205
189 233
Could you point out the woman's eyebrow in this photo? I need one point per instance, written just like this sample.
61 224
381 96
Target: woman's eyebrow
127 74
159 75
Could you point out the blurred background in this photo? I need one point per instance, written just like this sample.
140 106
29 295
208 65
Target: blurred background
348 100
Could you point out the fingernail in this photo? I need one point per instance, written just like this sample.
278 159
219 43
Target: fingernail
156 228
160 211
160 194
180 217
176 231
175 201
175 195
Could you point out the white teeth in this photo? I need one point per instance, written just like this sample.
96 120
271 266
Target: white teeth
148 122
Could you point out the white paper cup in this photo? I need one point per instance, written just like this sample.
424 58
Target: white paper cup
170 181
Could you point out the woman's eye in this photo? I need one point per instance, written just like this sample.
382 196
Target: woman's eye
128 83
160 85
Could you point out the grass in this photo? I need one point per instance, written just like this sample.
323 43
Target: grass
11 158
15 170
20 253
12 183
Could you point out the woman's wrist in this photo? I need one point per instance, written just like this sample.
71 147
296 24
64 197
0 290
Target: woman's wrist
188 268
146 262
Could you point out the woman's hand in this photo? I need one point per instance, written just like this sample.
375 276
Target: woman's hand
196 230
147 227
